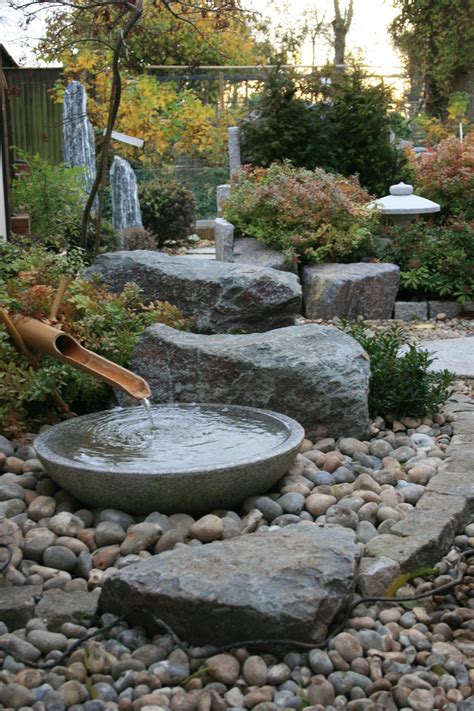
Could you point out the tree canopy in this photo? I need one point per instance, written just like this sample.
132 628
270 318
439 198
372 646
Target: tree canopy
437 39
201 32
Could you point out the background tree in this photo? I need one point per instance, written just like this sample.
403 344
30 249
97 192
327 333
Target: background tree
315 28
436 38
340 26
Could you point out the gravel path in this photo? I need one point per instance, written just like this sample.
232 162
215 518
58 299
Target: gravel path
416 656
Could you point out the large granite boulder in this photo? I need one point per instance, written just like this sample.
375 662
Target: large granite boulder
220 296
317 375
289 583
350 290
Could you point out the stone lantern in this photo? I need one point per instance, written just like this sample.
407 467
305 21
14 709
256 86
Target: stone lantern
401 206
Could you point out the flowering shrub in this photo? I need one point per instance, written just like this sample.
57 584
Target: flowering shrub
436 261
445 174
312 216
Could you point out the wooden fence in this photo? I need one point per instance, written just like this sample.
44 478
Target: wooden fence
36 121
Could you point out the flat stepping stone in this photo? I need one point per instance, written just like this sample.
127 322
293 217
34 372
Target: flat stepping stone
286 583
455 354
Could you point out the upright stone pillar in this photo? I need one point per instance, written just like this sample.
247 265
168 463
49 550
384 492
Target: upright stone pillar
233 136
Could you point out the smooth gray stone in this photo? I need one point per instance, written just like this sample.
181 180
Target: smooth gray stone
293 581
275 370
350 290
219 296
6 446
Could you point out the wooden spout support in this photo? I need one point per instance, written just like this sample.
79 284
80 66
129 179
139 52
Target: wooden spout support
40 337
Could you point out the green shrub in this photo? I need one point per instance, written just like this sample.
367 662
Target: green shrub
337 121
445 174
310 216
435 260
287 126
400 383
107 323
54 196
168 210
138 238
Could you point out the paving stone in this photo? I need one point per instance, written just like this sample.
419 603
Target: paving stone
409 552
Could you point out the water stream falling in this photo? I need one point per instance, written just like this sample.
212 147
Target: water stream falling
78 136
147 405
125 206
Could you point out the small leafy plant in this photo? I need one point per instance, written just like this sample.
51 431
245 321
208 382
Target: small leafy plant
53 196
312 216
109 324
168 210
400 382
435 260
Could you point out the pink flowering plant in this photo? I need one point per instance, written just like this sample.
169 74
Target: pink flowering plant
445 174
312 216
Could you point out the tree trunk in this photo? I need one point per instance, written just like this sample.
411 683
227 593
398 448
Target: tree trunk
341 25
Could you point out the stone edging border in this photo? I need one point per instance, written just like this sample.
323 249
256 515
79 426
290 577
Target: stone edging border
427 532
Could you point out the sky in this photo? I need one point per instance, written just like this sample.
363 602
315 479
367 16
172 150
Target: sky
367 37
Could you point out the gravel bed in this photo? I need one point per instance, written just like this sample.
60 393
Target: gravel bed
429 330
417 656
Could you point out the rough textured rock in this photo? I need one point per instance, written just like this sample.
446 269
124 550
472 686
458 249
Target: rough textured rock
220 296
315 374
248 250
287 583
17 605
58 607
348 290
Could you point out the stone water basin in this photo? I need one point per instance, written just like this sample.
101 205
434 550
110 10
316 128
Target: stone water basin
194 459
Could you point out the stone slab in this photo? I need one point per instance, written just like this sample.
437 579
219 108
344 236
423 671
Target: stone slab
219 296
350 290
450 308
410 311
288 583
317 375
456 509
57 607
17 605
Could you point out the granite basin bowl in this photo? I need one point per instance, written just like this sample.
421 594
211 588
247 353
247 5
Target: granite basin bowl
194 458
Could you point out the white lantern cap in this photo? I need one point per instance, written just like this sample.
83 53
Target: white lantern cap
401 201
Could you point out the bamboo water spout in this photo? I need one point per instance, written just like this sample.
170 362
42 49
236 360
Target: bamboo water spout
40 337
